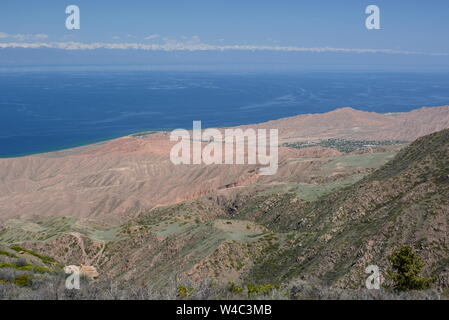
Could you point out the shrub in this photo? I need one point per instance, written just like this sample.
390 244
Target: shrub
235 289
34 268
43 258
7 265
407 266
25 267
184 292
22 281
6 253
258 290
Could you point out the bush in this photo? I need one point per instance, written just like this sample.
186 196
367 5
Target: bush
22 281
25 267
34 268
407 266
43 258
235 289
184 292
7 265
6 253
258 290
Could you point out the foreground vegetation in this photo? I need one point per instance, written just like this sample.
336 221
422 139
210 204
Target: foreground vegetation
52 288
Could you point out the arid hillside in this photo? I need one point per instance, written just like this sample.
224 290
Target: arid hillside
118 179
348 123
270 237
404 202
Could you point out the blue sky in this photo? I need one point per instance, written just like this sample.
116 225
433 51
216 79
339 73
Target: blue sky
407 26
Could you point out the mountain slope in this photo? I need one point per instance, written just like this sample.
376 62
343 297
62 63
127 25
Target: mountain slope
118 179
352 124
405 201
276 237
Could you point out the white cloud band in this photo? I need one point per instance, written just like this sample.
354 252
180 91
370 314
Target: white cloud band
176 46
24 37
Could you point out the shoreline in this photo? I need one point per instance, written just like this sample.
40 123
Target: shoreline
150 131
75 146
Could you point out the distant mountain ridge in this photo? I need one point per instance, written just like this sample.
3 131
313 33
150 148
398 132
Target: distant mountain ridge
353 124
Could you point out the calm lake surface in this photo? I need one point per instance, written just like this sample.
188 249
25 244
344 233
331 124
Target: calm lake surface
46 111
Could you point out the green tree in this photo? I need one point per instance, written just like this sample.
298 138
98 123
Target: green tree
407 266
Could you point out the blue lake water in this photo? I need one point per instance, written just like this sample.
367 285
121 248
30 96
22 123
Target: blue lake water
45 111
